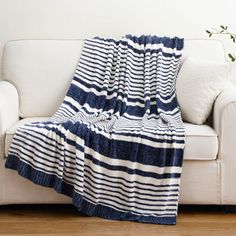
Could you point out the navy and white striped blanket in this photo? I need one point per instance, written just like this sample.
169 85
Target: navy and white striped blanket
115 146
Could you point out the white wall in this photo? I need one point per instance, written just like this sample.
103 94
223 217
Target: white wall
27 19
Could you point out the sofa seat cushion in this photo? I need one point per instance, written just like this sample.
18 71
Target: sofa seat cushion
201 140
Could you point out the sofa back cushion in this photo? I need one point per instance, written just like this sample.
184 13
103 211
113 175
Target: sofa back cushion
42 70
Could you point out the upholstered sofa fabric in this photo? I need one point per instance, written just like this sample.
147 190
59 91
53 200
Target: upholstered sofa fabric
9 110
41 70
225 126
198 84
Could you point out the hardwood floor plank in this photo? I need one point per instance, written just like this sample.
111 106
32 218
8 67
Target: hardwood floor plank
65 220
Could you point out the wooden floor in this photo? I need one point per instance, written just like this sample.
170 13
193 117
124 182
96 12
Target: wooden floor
65 220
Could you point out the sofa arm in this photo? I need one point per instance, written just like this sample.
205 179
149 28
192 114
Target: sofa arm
9 110
224 121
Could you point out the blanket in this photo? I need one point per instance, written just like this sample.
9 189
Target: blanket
115 145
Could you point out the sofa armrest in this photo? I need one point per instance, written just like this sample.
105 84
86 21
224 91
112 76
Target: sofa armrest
224 122
9 110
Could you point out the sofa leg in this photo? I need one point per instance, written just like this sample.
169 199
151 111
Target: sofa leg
229 208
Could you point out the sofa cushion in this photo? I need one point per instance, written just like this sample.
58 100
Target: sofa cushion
201 140
198 84
42 71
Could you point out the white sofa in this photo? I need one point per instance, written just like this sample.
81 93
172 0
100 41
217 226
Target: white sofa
36 76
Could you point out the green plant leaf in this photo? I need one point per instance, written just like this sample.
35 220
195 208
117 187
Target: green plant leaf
232 58
223 31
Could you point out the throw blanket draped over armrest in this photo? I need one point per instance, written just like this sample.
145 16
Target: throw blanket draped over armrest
115 146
